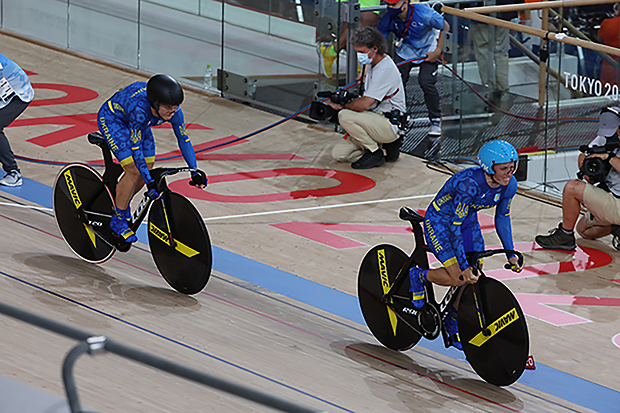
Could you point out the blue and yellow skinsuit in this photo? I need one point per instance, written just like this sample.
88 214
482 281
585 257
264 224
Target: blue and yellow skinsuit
125 121
451 225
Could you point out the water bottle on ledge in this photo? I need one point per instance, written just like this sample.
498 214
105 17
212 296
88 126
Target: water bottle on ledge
207 82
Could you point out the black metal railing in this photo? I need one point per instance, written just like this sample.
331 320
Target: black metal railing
94 344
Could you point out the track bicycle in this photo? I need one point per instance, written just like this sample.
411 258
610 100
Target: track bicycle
492 328
178 238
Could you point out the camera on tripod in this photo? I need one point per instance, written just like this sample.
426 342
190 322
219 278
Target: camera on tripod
322 111
595 168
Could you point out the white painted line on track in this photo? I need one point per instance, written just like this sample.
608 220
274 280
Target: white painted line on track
284 211
26 206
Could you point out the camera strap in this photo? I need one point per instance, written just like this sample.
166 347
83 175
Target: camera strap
362 81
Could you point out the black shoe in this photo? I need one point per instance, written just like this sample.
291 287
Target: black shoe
615 231
369 160
392 150
557 240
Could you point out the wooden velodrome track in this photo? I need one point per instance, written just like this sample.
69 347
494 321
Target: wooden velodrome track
280 312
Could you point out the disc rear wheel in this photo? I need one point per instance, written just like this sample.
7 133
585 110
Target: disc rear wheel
377 272
79 189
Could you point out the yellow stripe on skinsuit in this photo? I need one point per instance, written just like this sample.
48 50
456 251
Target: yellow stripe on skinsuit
450 262
127 161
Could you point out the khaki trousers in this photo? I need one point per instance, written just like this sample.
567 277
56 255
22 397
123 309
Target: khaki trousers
366 130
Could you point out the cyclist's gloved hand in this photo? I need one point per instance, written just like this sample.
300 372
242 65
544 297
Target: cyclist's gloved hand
152 191
199 179
513 264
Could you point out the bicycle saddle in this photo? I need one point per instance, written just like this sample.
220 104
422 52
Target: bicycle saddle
409 214
96 138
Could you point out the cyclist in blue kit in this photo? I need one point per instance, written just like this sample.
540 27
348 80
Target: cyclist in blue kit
125 120
451 226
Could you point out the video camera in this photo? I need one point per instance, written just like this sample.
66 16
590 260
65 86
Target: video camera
597 169
322 111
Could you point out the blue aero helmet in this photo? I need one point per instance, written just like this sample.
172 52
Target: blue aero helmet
495 152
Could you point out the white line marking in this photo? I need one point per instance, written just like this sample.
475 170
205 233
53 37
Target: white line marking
26 206
284 211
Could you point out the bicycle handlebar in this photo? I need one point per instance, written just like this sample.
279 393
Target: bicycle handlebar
474 256
158 174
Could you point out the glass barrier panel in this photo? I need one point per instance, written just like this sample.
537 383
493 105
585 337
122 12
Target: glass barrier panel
188 6
269 53
44 20
108 30
178 43
546 110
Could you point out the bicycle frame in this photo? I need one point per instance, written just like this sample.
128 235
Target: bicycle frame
110 179
419 258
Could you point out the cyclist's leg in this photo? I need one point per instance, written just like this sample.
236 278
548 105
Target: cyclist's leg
148 150
118 139
472 241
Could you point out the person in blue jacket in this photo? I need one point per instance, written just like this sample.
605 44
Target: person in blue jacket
16 93
125 121
451 226
418 31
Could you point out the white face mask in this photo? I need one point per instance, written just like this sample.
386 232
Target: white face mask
363 58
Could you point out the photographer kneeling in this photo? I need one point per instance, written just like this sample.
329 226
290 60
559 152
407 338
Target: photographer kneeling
373 120
598 164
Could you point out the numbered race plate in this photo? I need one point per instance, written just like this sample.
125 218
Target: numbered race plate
500 356
376 275
186 265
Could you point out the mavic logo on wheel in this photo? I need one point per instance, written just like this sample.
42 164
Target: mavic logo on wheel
163 237
495 327
385 283
72 190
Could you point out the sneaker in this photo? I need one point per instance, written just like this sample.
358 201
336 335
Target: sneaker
120 227
435 129
327 57
13 178
452 327
615 231
369 160
418 280
392 150
557 240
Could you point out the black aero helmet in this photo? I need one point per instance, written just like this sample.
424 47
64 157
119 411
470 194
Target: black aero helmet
164 90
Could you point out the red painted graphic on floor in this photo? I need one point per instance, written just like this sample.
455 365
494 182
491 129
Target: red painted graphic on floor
539 306
322 232
349 183
583 258
74 94
75 126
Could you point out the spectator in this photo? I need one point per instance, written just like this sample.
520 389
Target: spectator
327 51
16 93
609 33
488 39
419 34
602 202
373 120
